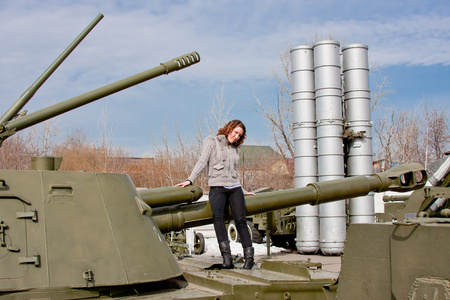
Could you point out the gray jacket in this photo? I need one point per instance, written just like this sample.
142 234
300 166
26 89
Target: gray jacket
220 160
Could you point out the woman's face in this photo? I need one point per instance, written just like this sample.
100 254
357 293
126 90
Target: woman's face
235 135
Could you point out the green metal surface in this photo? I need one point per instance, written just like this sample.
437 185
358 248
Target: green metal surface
295 282
86 223
164 196
387 261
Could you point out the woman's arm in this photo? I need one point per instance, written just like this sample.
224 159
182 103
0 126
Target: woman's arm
202 163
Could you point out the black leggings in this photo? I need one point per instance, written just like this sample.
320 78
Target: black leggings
219 197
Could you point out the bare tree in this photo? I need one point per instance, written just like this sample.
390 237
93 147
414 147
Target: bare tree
81 154
173 163
142 172
417 135
15 153
384 128
438 137
106 134
408 137
77 151
43 137
279 118
380 90
219 113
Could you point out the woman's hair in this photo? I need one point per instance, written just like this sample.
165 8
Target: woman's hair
229 127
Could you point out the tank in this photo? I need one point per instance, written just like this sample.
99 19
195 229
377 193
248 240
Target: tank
79 235
28 261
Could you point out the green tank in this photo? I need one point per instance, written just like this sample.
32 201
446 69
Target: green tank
79 235
31 219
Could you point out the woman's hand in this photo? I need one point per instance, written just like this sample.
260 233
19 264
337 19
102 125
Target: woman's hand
184 183
250 194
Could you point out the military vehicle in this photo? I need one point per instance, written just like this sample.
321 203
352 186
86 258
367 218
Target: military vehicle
79 235
279 225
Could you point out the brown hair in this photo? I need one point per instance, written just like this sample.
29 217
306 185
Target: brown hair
227 128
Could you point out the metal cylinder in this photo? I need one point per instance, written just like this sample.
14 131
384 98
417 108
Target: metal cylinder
46 163
305 155
332 227
359 157
302 108
327 69
305 148
357 108
330 107
165 196
357 114
328 96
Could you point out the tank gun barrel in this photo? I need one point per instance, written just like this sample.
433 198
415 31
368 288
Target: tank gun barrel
29 93
401 179
170 195
23 122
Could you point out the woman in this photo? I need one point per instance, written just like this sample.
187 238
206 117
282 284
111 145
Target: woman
220 156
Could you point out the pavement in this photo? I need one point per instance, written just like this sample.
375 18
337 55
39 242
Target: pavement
329 263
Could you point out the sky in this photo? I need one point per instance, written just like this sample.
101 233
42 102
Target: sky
239 44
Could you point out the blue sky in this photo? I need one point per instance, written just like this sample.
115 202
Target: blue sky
238 41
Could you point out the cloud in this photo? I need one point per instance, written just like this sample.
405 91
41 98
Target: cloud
237 39
238 42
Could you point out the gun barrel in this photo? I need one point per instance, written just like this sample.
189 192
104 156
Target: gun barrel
402 178
29 93
165 196
175 64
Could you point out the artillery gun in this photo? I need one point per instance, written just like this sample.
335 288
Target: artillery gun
178 240
13 121
78 235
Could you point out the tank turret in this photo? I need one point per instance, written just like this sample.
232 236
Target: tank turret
66 226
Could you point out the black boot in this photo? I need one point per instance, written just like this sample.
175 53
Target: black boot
249 260
226 255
